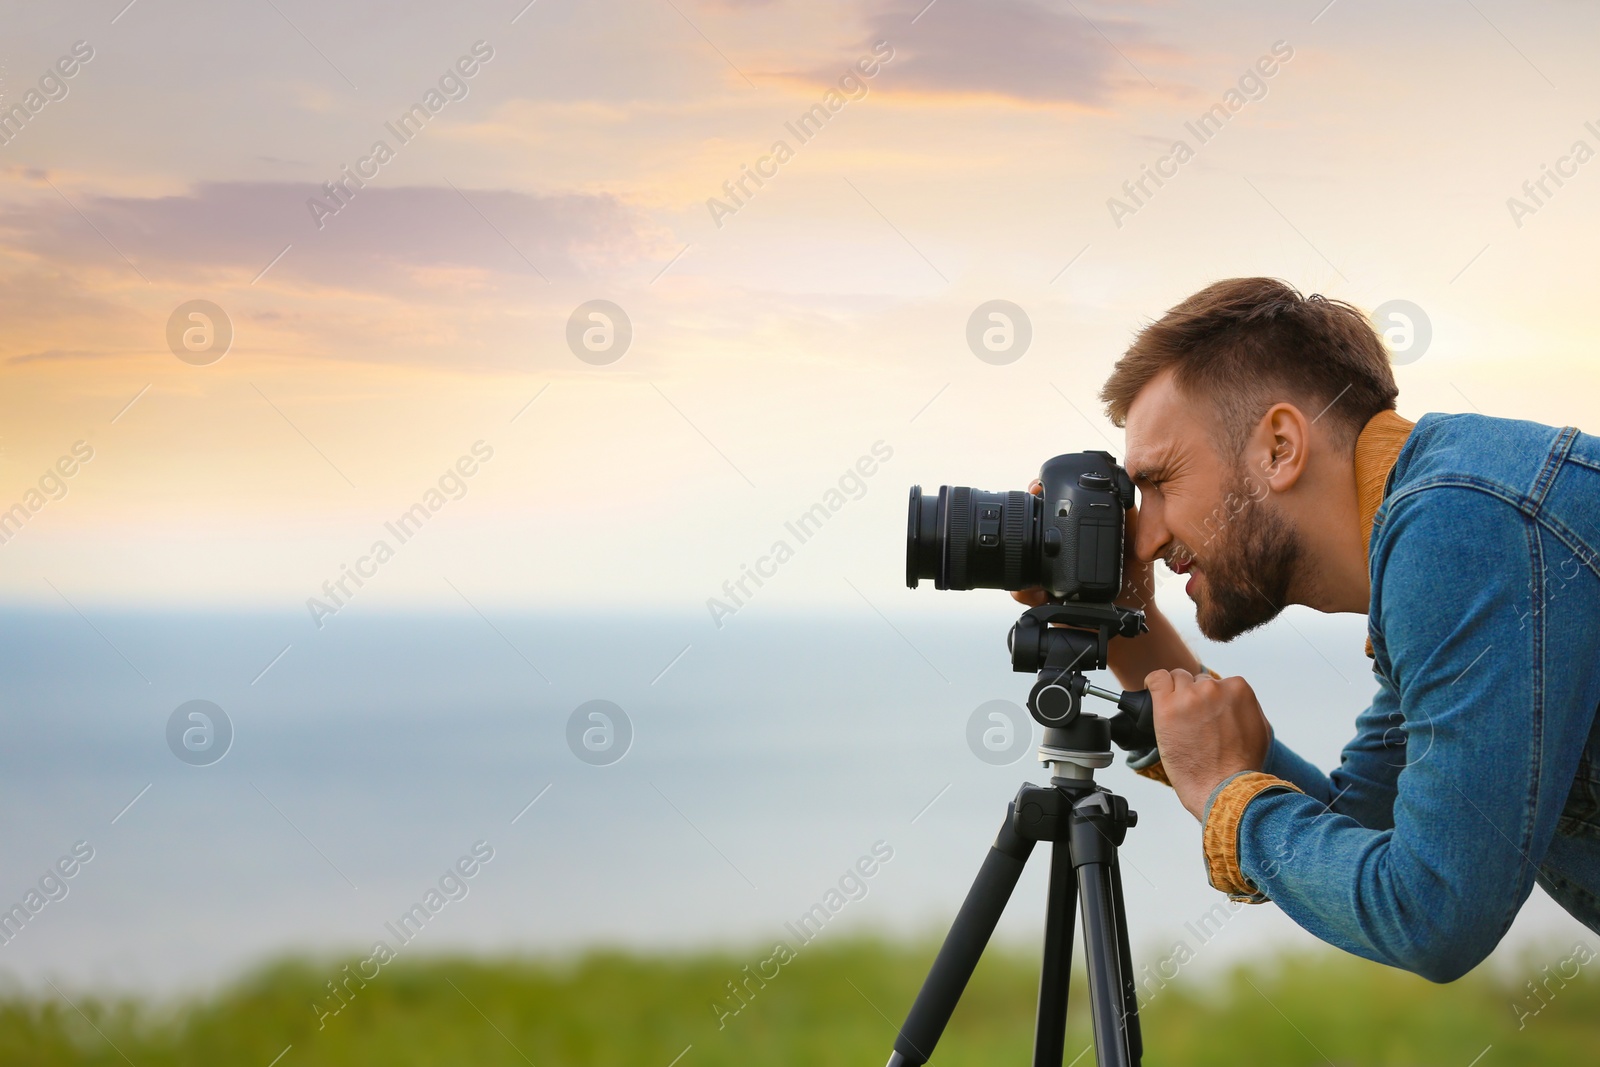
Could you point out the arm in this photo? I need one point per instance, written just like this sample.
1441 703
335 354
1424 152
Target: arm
1131 659
1435 890
1363 785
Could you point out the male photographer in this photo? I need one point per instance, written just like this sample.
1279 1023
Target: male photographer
1274 470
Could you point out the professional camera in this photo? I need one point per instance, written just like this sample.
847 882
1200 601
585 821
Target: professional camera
1067 539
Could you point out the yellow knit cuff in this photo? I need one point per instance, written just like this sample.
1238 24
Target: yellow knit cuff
1221 834
1155 772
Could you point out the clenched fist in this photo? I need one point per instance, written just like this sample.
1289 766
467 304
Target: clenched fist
1207 730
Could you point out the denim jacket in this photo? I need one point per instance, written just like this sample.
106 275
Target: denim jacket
1475 772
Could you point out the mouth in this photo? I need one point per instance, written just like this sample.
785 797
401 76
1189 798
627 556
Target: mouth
1184 565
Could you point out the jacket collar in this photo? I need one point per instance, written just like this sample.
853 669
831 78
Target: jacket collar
1377 448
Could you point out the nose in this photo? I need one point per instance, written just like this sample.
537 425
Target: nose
1151 534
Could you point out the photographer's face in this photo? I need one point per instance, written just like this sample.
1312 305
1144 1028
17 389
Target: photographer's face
1205 514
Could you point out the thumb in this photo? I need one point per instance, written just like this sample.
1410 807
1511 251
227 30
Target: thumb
1159 682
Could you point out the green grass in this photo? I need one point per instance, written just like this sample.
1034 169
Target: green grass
833 1005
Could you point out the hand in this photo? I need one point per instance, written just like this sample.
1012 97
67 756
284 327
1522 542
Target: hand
1138 578
1208 730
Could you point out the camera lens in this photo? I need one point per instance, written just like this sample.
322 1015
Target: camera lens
923 546
969 539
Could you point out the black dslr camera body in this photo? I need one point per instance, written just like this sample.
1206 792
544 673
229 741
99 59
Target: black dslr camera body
1067 539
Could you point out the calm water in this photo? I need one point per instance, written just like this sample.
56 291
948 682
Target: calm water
766 760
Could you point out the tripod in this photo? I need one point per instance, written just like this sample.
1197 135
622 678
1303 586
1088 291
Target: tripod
1084 824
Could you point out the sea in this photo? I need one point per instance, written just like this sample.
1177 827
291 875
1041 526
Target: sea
645 782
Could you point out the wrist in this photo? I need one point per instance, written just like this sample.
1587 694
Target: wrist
1197 793
1213 791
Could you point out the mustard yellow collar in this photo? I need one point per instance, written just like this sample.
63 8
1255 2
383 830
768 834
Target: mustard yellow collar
1376 451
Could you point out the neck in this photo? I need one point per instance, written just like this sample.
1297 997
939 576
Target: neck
1332 575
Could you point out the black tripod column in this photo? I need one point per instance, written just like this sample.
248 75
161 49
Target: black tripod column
963 946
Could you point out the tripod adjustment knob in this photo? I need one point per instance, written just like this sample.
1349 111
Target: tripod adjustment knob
1056 698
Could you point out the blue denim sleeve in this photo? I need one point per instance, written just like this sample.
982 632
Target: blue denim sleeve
1434 889
1363 785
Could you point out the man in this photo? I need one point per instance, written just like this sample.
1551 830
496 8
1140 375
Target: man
1274 470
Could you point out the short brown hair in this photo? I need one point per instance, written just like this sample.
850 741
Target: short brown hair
1248 343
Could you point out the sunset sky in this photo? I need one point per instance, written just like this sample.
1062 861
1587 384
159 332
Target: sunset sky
773 345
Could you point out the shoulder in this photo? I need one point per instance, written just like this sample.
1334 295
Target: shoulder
1448 526
1452 568
1499 456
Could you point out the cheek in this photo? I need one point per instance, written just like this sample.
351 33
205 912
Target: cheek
1189 529
1194 524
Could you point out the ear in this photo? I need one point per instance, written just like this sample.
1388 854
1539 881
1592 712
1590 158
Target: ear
1280 447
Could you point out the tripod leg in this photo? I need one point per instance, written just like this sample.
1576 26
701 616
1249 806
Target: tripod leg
968 936
1050 1027
1098 823
1107 993
1130 985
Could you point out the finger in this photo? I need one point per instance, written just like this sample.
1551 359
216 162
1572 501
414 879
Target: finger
1033 597
1181 679
1036 487
1158 682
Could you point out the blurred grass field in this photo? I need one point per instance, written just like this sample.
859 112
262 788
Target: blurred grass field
832 1005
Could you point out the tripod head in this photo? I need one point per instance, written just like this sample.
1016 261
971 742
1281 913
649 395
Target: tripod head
1074 741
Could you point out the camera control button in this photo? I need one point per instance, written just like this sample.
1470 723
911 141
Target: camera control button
1052 541
1095 481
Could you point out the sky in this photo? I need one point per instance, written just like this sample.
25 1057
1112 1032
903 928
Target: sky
774 340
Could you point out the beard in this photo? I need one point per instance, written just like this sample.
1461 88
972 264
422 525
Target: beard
1247 574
